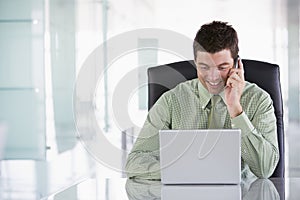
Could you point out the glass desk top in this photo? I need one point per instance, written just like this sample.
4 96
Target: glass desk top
133 189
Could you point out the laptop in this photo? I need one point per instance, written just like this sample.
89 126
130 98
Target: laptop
196 192
205 156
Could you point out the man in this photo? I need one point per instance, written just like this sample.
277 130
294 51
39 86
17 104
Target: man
188 106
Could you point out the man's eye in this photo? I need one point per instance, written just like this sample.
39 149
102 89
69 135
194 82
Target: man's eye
223 68
203 67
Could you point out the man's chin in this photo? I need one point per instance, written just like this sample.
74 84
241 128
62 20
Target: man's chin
215 91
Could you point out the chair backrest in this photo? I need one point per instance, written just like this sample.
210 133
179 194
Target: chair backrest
265 75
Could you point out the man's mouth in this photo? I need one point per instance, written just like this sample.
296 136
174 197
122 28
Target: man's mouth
214 84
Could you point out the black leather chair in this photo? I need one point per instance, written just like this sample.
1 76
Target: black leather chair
266 75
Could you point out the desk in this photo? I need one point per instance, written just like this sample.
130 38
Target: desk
127 189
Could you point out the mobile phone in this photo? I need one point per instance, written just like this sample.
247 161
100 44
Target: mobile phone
236 62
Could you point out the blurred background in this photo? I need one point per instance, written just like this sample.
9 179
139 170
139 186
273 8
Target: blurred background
44 44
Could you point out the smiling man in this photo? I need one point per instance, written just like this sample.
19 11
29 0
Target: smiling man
241 105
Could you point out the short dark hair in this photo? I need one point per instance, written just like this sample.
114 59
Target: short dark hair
216 36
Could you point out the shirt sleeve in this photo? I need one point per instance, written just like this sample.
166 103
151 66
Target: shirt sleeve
143 160
259 138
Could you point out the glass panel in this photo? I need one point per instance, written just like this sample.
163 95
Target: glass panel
22 114
62 43
18 9
146 58
22 94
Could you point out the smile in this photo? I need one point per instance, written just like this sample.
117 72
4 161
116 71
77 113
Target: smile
214 83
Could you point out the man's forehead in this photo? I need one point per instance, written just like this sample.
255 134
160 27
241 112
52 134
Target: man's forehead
219 57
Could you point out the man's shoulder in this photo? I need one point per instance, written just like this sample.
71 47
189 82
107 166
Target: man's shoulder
251 89
185 88
187 85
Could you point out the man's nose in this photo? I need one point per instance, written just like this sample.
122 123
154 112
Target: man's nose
214 74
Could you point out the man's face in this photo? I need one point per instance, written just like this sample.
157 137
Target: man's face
213 69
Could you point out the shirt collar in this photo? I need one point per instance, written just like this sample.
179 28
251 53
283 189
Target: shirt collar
205 96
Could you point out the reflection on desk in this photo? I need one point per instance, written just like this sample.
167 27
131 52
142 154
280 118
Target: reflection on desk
262 189
143 189
257 189
135 189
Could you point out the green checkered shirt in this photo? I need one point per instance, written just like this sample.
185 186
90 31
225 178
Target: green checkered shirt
187 106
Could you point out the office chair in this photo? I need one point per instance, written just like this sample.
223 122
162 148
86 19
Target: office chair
265 75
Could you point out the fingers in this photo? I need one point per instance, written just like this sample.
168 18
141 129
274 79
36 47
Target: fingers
234 80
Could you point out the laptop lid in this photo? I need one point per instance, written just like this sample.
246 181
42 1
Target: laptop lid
210 156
